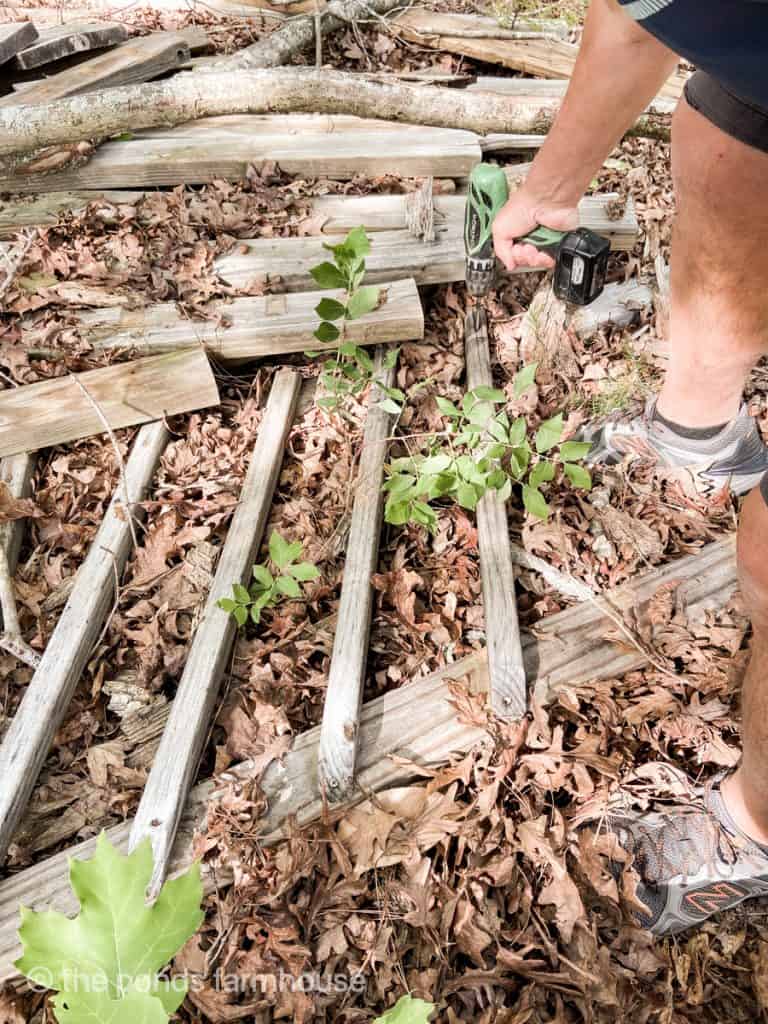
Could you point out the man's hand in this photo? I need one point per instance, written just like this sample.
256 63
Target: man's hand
517 217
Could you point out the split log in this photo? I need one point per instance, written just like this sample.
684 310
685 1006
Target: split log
242 329
285 263
137 60
56 411
60 41
459 33
15 37
173 771
340 730
29 736
505 654
417 723
304 145
279 90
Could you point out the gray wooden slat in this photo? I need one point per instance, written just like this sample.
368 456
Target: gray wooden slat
137 60
176 761
59 41
44 705
502 630
418 722
16 473
344 694
256 327
56 411
15 37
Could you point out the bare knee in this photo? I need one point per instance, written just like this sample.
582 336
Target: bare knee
753 558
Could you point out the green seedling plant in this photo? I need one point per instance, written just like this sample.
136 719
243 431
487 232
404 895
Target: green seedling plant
103 964
350 370
407 1010
483 450
279 578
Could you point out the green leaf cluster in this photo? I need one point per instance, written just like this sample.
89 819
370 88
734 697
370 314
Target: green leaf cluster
103 964
351 369
270 586
482 450
407 1010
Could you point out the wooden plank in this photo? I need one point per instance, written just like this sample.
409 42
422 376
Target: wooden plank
523 89
339 733
309 145
137 60
56 411
44 705
260 326
416 722
15 37
286 262
16 473
46 207
60 41
497 574
546 56
175 764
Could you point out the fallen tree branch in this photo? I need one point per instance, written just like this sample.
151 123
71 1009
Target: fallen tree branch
25 130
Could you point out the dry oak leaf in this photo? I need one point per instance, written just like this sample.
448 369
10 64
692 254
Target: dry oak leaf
15 508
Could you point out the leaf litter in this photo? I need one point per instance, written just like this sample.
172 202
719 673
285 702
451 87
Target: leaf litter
472 886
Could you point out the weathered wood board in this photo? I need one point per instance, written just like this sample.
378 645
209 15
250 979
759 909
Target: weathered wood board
417 722
28 738
16 473
255 327
72 37
547 56
137 60
15 37
548 88
339 732
176 761
285 262
311 145
56 411
502 630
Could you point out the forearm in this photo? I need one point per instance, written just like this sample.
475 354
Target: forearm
619 70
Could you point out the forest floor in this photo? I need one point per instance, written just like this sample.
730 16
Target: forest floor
471 888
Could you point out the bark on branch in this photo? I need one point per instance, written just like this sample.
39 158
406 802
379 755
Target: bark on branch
274 91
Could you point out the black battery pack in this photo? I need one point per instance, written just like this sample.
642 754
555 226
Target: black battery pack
582 262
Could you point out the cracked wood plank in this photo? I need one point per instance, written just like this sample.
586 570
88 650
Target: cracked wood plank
417 722
497 573
47 697
246 328
60 41
339 733
176 761
56 411
15 37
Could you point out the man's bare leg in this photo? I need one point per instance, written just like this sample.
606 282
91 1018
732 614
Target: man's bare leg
719 301
746 791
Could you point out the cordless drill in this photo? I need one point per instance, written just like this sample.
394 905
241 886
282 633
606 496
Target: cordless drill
581 256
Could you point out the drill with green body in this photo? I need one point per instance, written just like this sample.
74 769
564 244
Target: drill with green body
581 256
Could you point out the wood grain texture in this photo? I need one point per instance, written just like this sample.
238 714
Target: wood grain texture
310 145
547 57
45 208
497 573
44 705
16 473
56 411
548 88
176 761
256 327
416 722
137 60
15 37
339 734
59 41
286 262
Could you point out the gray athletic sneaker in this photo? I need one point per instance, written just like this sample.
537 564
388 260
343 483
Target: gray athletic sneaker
736 454
692 858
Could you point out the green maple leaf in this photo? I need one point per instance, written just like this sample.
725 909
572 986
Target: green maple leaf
117 943
407 1010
